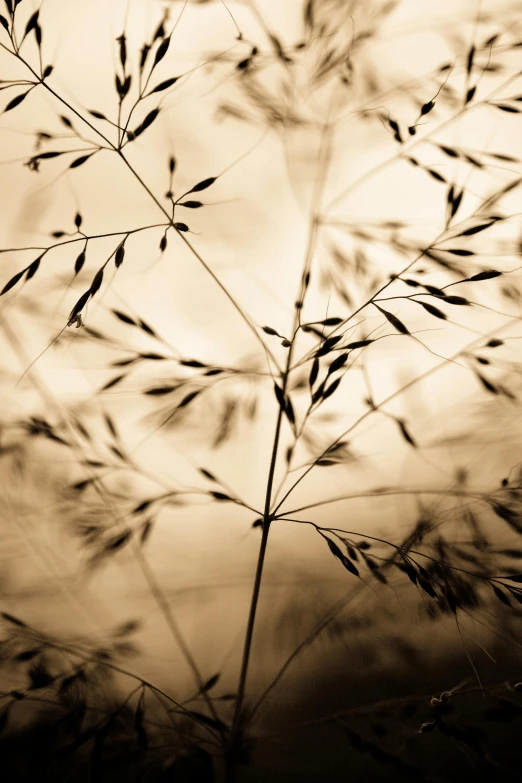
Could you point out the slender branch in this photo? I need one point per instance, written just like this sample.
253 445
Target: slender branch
267 517
236 725
399 549
404 152
379 405
377 493
154 199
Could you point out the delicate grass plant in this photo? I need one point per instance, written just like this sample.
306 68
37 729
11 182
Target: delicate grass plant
441 298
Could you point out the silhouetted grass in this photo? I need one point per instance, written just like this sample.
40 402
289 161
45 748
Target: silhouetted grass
363 286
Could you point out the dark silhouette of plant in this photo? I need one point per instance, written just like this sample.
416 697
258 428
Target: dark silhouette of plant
365 286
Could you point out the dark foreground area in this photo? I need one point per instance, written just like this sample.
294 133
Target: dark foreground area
332 734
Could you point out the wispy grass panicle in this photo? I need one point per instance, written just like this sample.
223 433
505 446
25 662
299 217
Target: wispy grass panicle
335 404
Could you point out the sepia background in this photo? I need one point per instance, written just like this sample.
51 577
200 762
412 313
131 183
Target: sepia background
260 130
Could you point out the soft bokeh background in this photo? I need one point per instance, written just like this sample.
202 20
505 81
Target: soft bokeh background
253 235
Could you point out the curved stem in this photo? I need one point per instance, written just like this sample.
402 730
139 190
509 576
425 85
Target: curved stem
160 206
236 725
235 737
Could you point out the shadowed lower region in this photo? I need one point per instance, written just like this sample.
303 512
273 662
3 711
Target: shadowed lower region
260 475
